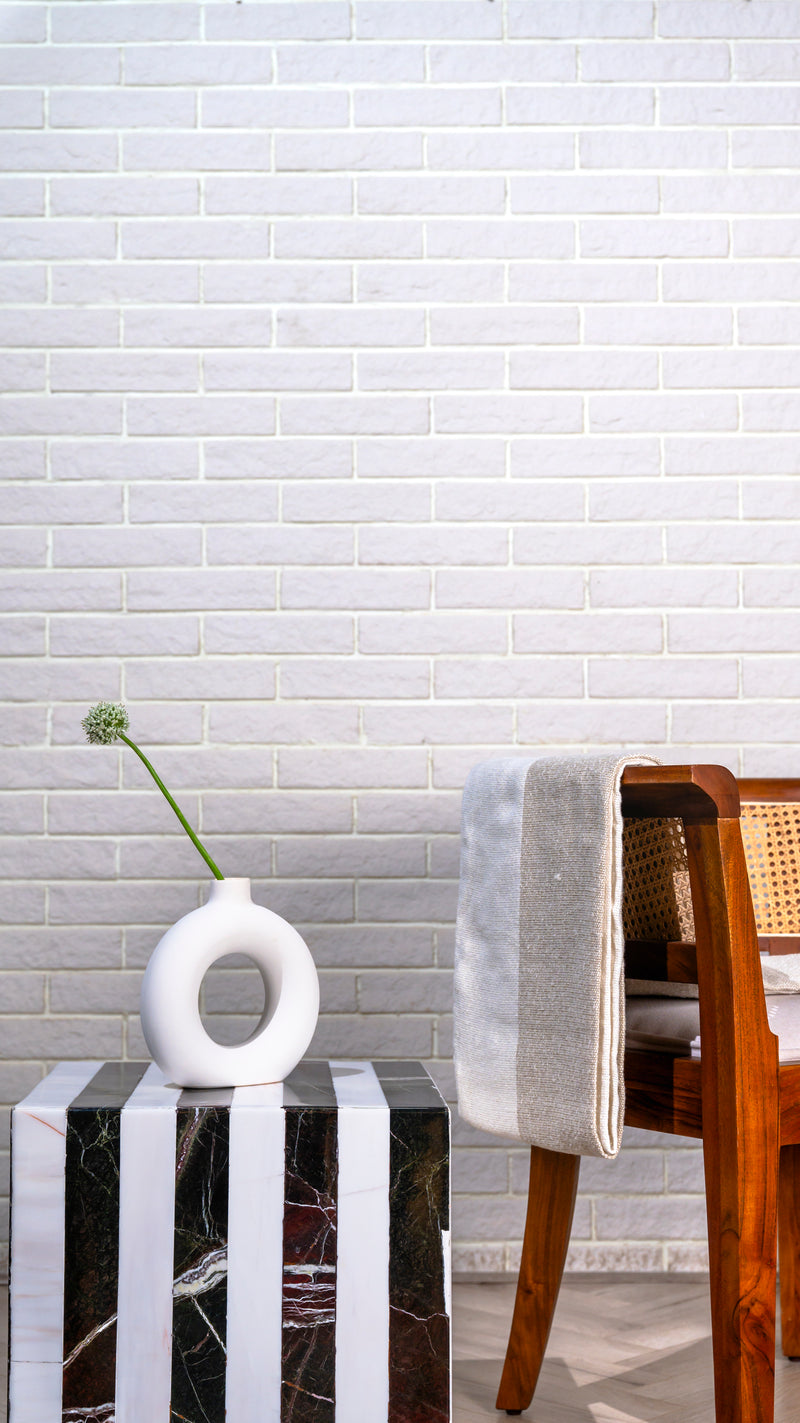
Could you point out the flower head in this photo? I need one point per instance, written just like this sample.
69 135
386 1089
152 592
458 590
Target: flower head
104 722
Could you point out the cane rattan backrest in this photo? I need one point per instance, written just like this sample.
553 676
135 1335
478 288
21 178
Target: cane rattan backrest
771 838
656 900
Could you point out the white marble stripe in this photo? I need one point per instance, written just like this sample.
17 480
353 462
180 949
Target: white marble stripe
362 1227
36 1282
146 1246
255 1254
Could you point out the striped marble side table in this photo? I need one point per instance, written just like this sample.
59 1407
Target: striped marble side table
275 1254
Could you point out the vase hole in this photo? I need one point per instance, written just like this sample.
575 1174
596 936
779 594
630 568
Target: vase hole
232 999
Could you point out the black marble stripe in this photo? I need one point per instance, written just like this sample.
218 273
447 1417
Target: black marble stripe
419 1334
309 1085
91 1239
200 1281
309 1253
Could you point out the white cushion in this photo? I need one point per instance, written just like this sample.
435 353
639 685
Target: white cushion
673 1024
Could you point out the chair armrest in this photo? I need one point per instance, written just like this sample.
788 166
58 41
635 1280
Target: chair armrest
779 788
698 794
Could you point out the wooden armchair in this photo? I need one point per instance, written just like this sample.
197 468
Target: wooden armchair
736 1097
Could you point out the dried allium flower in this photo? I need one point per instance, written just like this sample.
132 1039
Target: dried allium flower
105 723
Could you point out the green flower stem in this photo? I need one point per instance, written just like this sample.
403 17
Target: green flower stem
182 818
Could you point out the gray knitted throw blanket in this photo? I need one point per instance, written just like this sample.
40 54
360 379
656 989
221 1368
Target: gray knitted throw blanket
539 978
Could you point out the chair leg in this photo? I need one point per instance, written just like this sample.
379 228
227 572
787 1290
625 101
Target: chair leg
551 1202
741 1205
789 1249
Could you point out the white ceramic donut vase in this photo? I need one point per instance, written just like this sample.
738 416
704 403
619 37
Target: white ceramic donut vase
229 923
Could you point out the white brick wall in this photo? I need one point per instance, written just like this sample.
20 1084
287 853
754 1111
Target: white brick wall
383 385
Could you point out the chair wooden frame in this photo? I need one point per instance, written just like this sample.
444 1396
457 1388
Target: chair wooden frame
736 1097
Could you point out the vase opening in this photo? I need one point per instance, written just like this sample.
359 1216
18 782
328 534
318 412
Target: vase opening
233 1000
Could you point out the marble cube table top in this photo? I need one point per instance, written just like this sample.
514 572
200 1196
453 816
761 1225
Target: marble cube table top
274 1254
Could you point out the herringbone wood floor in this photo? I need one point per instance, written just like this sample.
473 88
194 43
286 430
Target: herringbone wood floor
621 1351
635 1350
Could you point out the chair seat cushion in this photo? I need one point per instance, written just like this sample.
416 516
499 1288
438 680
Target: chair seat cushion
673 1025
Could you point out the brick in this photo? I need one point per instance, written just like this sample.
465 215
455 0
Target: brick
673 677
123 371
60 415
52 859
770 587
207 588
47 680
203 502
278 632
268 109
22 283
275 281
425 19
60 592
579 104
102 459
477 1170
717 17
283 812
407 812
196 237
586 545
771 677
361 678
734 455
765 61
281 724
21 815
87 197
431 633
112 283
426 725
736 632
506 501
422 459
422 991
769 326
440 371
129 635
758 238
736 193
754 721
771 499
279 195
24 326
26 241
414 106
357 768
356 414
518 677
23 726
359 588
434 282
328 856
660 326
280 545
416 544
599 724
257 371
348 238
331 63
201 414
62 1037
757 281
595 456
315 20
21 904
52 63
22 636
763 542
583 281
22 372
372 1037
500 238
763 148
510 588
21 109
339 151
498 151
666 587
672 499
512 413
770 412
655 237
169 65
664 62
584 193
588 632
664 412
93 23
120 109
21 547
656 150
561 19
55 152
586 370
357 327
730 104
428 900
117 812
23 24
432 193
